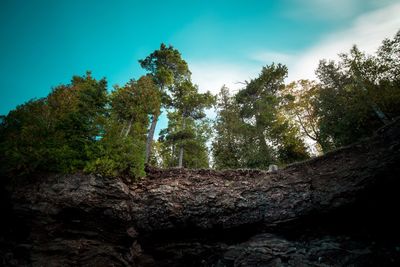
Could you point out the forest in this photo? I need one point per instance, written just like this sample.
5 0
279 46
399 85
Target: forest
82 126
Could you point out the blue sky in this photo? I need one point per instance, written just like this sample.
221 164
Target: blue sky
44 43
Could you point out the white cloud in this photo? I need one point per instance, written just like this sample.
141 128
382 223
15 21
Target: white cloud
211 76
271 56
367 32
331 9
323 9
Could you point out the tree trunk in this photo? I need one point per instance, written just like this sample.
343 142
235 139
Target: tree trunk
172 161
263 146
180 164
122 129
150 136
128 130
339 209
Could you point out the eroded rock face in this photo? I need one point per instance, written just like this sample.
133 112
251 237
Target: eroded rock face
335 210
271 250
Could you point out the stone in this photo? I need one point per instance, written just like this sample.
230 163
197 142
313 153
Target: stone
327 211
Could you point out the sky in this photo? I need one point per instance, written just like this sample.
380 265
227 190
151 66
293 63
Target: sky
44 43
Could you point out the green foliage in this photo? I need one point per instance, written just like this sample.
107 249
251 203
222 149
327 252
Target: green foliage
81 126
121 151
23 138
166 66
192 140
168 69
251 129
52 133
258 103
118 156
136 100
289 145
299 105
359 93
189 107
227 142
189 102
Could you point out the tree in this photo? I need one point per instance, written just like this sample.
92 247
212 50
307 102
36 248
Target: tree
122 148
299 105
186 123
359 93
24 138
189 104
134 102
53 133
168 69
227 142
77 110
192 140
260 107
252 130
285 137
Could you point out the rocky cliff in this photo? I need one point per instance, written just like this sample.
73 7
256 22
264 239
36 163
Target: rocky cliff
336 210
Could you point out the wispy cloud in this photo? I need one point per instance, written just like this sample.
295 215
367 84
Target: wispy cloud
211 76
322 9
267 57
367 32
331 9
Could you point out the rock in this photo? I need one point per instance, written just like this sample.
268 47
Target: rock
272 168
327 211
272 250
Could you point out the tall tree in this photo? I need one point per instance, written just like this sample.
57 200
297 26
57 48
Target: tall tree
134 102
252 130
77 109
24 134
359 93
299 105
121 149
227 141
168 69
189 104
260 104
53 133
193 141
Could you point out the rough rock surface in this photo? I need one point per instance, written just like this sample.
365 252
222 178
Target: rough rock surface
336 210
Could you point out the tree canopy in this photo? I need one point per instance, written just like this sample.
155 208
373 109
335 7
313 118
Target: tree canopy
81 126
